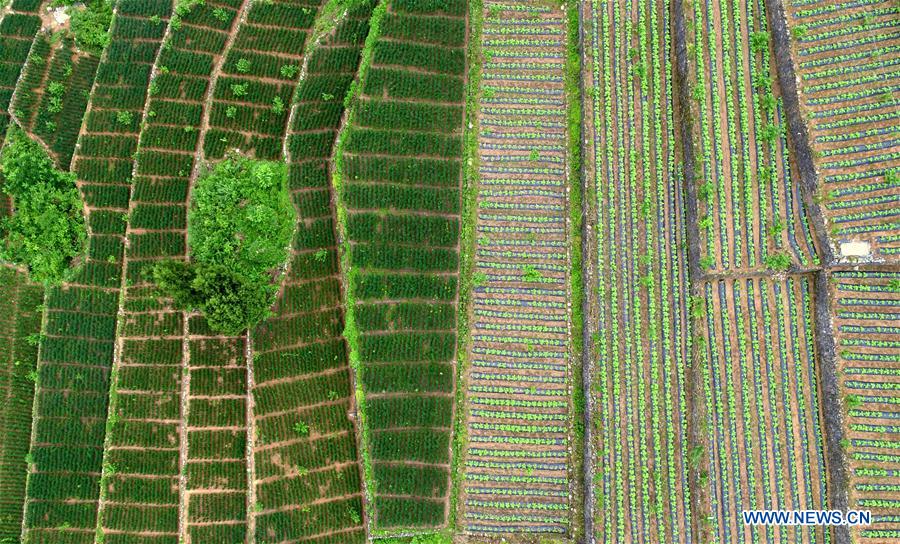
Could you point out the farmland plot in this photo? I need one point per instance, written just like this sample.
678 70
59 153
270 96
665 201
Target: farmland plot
308 480
77 350
19 319
753 216
867 312
400 162
142 467
251 100
760 374
518 386
53 93
643 341
847 55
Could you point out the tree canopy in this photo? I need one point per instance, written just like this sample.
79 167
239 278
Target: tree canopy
47 231
240 225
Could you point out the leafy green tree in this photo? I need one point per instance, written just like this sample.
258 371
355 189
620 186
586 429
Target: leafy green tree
46 232
90 24
240 226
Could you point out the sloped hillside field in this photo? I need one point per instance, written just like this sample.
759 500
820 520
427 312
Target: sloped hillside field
448 271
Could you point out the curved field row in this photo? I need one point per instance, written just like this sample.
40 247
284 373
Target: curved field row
400 159
848 58
20 319
517 460
760 378
867 326
308 477
142 477
643 339
77 349
52 94
754 217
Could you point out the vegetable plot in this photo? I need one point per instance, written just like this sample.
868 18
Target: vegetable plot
867 312
847 53
516 462
760 373
52 94
643 341
308 480
20 321
400 162
77 349
752 215
146 430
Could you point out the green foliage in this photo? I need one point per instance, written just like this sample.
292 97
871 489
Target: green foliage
241 222
289 71
301 428
778 261
90 24
124 118
47 231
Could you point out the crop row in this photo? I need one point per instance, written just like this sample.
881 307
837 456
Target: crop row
847 57
517 419
743 145
867 307
643 339
307 470
53 93
401 235
78 343
760 373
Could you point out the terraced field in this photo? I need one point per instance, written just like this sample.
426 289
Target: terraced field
559 271
846 54
308 477
216 507
867 311
642 337
53 93
154 366
18 27
399 201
